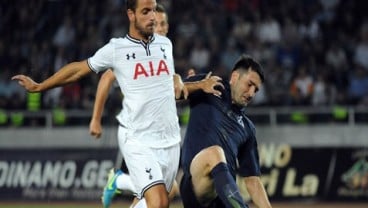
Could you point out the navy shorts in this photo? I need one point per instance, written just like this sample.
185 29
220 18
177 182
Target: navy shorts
188 197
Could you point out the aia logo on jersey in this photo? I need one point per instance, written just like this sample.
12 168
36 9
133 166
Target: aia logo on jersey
141 71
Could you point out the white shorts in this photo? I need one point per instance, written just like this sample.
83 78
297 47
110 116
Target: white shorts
148 166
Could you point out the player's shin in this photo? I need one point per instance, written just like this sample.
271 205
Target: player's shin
226 187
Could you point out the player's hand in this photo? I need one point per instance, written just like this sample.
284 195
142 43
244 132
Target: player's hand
179 87
26 82
95 128
210 82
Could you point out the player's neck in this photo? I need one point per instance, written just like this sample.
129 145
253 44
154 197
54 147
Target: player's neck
136 35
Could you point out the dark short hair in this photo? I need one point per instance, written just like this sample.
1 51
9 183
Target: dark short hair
247 63
160 8
131 4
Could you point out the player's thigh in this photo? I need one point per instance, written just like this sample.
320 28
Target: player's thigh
144 168
200 169
151 166
168 158
156 196
174 191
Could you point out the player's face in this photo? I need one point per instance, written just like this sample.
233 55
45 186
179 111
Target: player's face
144 17
244 86
162 26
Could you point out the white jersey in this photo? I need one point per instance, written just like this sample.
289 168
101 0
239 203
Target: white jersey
144 72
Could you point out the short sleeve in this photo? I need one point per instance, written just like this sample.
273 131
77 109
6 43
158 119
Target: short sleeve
248 158
102 59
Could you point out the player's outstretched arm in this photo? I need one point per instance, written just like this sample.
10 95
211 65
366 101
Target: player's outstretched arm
67 74
103 88
257 192
207 84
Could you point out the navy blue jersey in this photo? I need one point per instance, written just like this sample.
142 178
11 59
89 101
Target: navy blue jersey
216 121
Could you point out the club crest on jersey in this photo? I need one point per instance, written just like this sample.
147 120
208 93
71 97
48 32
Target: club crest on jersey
163 51
128 56
148 170
240 120
141 71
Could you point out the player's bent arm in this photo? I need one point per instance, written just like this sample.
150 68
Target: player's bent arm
67 74
257 192
103 88
207 84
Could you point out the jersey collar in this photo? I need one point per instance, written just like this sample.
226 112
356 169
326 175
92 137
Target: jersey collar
134 40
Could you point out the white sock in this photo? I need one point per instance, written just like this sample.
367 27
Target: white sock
141 204
124 182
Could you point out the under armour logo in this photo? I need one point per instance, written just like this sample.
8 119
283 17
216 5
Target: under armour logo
163 51
128 56
149 173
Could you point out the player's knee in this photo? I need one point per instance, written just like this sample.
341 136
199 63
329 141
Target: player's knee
207 159
157 197
216 151
159 202
174 192
215 154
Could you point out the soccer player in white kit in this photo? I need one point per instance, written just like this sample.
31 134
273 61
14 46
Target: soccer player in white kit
149 133
119 180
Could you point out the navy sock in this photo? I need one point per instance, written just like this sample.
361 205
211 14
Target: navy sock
226 187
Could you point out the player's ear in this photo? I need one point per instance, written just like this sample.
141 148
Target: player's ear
234 76
130 14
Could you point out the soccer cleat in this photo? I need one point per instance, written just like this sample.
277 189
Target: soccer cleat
110 189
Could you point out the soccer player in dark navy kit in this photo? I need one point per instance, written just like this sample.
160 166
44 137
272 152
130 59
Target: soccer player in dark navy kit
221 141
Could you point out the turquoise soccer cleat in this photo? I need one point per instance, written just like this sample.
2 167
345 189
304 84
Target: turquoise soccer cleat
110 189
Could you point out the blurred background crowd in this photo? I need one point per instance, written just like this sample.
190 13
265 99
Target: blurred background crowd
314 52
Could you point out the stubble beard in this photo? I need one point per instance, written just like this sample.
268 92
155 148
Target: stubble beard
146 33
